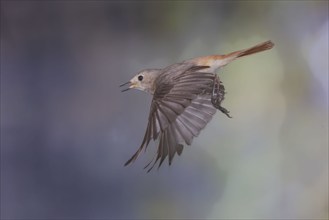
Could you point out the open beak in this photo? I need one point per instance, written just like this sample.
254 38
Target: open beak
129 84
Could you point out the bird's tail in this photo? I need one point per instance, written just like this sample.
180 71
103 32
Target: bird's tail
217 61
255 49
240 53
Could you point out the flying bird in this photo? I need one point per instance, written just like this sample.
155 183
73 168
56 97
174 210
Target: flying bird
186 95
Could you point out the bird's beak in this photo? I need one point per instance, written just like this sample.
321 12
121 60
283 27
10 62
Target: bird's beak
130 84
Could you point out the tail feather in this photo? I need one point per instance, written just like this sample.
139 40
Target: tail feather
255 49
240 53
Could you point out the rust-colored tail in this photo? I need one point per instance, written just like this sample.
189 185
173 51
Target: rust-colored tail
240 53
255 49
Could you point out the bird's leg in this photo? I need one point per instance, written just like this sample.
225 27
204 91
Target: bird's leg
217 96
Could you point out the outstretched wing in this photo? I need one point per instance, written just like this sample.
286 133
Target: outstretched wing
180 109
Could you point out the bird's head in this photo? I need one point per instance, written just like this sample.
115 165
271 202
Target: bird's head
143 81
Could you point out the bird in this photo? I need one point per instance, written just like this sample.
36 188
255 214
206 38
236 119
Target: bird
186 95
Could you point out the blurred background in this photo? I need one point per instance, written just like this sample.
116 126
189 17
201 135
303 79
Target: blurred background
67 130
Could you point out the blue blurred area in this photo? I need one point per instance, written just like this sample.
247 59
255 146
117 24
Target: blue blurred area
67 130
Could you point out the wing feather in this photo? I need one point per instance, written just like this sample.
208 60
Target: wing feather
161 118
173 141
184 131
189 124
165 148
180 109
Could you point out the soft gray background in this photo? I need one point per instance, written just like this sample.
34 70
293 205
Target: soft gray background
66 130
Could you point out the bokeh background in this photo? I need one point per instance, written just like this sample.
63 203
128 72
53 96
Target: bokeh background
66 129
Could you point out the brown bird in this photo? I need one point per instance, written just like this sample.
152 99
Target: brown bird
185 97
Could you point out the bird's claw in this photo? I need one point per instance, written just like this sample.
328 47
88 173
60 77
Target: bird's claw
217 96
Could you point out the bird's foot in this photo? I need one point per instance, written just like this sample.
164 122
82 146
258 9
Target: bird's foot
217 96
225 111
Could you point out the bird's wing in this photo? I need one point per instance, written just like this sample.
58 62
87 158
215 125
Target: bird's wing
180 109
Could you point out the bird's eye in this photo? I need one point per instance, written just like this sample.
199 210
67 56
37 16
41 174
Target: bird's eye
140 78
